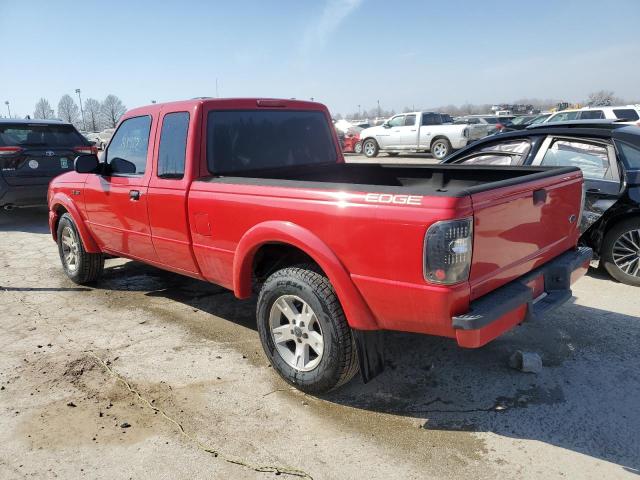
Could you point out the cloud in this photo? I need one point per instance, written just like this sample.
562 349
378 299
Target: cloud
333 14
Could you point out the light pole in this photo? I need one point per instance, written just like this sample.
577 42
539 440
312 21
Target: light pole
359 112
378 108
6 102
84 125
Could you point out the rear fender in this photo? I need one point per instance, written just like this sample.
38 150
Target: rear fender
62 200
355 308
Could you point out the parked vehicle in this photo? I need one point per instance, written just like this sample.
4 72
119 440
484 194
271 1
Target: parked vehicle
609 155
92 137
417 132
518 123
487 124
627 113
104 137
32 152
254 194
351 142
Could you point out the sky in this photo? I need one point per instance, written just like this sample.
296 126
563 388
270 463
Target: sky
344 53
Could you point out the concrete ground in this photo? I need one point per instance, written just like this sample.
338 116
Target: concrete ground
151 375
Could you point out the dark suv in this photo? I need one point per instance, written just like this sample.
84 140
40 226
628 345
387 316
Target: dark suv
32 152
608 154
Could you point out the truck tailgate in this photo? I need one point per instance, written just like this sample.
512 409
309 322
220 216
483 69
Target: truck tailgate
518 228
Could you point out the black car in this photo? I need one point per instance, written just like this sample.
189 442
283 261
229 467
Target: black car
609 155
32 152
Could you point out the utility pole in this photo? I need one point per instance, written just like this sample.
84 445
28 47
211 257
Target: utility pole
359 112
84 125
378 108
6 102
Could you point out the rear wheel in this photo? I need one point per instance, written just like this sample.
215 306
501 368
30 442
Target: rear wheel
304 332
370 148
440 148
621 252
79 265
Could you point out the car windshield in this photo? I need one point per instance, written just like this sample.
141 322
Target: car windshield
539 119
34 135
491 120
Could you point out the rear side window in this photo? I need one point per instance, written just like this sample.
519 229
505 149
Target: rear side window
173 145
244 140
39 135
127 152
628 114
591 115
409 120
430 119
630 154
592 159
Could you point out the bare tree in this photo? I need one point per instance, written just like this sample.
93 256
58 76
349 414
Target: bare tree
603 98
43 109
68 110
92 114
111 110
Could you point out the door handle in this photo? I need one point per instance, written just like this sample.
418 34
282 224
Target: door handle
593 190
134 194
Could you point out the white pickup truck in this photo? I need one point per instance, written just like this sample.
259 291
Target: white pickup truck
418 132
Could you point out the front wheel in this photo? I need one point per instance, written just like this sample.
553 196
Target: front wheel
440 148
621 252
79 265
304 332
370 148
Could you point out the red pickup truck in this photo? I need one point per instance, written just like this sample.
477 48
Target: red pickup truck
254 195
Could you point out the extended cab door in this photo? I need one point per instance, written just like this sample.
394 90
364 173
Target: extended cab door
116 201
427 124
168 188
597 160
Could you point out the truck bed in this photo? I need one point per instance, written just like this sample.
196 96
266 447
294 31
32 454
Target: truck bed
431 180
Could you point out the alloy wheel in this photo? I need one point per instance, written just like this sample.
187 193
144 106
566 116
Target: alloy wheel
626 252
296 333
70 249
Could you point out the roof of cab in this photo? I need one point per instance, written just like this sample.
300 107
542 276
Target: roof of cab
33 121
229 103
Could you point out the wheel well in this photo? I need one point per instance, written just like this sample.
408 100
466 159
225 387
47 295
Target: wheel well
60 210
275 256
597 236
439 137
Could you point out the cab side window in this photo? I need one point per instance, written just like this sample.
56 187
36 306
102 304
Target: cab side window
397 121
591 158
127 152
173 145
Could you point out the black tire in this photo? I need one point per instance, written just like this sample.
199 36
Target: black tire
370 148
338 363
88 266
393 154
440 148
357 148
630 226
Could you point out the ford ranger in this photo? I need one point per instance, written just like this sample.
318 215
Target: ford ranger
418 132
254 195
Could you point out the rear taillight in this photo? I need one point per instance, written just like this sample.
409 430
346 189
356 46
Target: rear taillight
448 247
465 132
87 149
5 151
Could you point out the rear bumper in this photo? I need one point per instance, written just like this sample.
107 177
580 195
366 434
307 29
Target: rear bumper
22 196
526 298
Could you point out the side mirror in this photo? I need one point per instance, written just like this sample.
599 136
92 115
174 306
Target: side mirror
386 125
86 164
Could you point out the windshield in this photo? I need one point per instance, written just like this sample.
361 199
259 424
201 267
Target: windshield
259 139
35 135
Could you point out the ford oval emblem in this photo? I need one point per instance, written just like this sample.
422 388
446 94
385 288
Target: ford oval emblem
49 153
